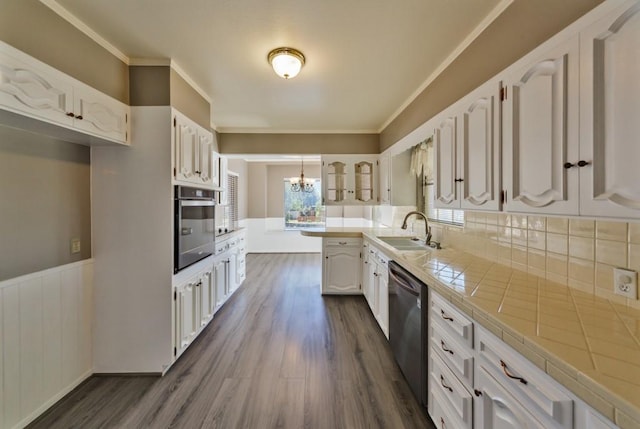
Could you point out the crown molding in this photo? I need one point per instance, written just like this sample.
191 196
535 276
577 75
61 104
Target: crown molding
231 130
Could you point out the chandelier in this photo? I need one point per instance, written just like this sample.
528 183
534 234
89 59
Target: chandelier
300 184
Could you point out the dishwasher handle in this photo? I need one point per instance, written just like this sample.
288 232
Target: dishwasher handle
403 282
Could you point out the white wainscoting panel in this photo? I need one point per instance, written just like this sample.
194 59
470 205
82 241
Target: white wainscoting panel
45 339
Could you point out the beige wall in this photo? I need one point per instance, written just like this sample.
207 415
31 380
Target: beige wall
35 29
266 192
45 189
188 101
150 85
241 167
522 26
299 143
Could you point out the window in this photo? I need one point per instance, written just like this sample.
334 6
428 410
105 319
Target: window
303 209
232 189
455 217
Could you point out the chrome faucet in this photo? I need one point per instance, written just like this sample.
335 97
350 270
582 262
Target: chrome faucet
427 228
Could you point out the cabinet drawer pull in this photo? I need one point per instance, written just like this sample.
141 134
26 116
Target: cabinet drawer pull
444 347
442 425
70 114
506 372
79 117
444 385
445 317
342 243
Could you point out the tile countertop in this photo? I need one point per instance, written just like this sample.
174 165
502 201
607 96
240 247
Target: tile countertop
588 344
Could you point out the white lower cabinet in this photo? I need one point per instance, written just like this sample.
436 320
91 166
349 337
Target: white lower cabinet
340 256
375 284
485 384
199 298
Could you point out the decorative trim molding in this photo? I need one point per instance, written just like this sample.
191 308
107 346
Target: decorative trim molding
278 131
497 11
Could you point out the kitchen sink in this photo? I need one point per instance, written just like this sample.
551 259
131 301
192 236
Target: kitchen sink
405 243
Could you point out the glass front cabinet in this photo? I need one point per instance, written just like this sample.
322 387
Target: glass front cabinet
350 179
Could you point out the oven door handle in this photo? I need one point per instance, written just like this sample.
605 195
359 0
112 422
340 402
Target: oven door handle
403 283
197 203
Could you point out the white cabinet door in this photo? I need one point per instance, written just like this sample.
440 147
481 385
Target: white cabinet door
364 181
100 115
383 300
221 281
541 133
215 168
334 176
610 113
384 187
495 408
186 315
207 297
445 167
34 90
186 148
479 150
233 270
205 157
338 276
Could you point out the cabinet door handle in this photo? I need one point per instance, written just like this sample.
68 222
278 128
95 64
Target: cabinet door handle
506 372
79 117
477 392
444 347
583 163
442 425
445 317
568 165
444 385
70 114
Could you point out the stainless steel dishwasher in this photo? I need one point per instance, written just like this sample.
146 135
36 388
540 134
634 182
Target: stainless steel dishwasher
408 327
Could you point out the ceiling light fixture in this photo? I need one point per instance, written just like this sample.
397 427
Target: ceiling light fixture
300 184
286 62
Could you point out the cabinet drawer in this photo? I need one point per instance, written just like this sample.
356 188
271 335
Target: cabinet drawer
458 397
441 413
533 387
457 356
458 325
342 241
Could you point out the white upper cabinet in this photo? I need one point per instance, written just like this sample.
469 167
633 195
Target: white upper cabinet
445 167
541 132
350 179
193 152
479 177
35 90
610 115
96 114
467 152
384 186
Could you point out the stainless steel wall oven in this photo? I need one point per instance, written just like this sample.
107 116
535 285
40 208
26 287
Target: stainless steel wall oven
194 232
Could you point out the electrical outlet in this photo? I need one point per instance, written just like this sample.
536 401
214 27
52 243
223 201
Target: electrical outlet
75 245
625 283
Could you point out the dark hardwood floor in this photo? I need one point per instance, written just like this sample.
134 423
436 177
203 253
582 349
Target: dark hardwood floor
277 355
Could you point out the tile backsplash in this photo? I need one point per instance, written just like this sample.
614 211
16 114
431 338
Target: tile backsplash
575 252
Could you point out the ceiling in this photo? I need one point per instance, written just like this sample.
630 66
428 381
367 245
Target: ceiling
366 59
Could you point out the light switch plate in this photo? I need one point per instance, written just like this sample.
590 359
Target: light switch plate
75 245
625 283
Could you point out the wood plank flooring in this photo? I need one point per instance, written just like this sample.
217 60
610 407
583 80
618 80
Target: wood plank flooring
277 355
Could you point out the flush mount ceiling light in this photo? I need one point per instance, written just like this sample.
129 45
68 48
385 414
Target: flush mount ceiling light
286 62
